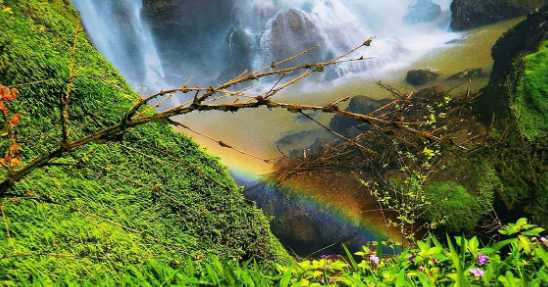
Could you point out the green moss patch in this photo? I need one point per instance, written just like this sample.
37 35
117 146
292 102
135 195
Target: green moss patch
531 102
452 206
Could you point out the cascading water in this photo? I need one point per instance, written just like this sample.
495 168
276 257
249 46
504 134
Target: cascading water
203 42
286 27
119 32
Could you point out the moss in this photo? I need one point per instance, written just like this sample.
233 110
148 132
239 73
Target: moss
515 104
531 98
538 210
453 207
152 195
487 185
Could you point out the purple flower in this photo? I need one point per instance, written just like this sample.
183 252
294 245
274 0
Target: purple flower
544 241
483 259
374 259
477 272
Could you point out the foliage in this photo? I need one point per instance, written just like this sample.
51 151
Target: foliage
520 258
452 206
407 199
151 195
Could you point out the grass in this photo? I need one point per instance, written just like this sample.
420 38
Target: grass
518 258
152 195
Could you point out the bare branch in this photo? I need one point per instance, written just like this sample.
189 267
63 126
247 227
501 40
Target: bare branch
200 95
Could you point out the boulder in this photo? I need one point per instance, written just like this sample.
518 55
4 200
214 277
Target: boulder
358 104
515 105
291 32
467 14
517 91
467 74
240 51
421 76
423 11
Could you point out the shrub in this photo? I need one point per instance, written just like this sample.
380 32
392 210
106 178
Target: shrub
452 206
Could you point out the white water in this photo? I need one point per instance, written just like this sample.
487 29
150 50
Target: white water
120 32
345 23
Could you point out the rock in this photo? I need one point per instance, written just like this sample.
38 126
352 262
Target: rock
431 92
423 11
295 144
517 89
240 50
467 14
358 104
515 105
421 76
318 146
291 32
467 74
456 41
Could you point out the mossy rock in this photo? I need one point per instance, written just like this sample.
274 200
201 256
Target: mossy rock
151 194
515 104
530 105
517 94
452 208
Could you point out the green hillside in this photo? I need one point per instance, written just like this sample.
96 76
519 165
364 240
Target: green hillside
153 194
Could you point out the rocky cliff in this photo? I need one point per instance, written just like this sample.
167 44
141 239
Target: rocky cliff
468 14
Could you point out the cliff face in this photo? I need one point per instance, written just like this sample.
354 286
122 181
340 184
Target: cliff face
468 14
151 195
516 103
518 89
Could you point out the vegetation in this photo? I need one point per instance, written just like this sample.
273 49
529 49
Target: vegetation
531 103
146 206
519 258
454 206
150 195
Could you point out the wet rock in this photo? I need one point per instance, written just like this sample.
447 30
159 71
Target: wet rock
520 113
304 226
291 32
421 76
467 74
456 41
359 104
296 145
431 92
423 11
318 146
505 99
240 50
467 14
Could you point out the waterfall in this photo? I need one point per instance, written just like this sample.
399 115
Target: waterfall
206 41
119 32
